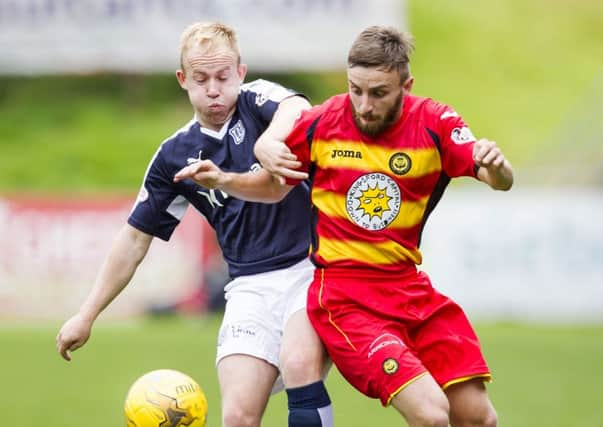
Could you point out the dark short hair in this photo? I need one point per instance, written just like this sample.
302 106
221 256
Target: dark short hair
383 47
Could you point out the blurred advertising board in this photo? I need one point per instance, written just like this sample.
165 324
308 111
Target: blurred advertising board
530 254
51 250
64 36
533 253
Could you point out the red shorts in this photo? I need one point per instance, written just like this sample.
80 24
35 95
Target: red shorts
383 333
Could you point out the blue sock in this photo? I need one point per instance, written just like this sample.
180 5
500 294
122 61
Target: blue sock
310 406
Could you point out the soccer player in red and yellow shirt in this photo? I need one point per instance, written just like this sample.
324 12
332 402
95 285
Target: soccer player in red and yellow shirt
378 161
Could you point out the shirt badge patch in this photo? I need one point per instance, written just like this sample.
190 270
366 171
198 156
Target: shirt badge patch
237 132
400 163
390 366
373 201
461 135
143 195
260 99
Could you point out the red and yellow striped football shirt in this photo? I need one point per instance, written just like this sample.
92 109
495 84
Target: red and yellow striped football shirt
372 195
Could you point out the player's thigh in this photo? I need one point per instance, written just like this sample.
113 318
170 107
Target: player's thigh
302 357
422 402
249 327
470 404
245 385
446 342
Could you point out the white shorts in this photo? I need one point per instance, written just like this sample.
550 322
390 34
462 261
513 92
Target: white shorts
257 309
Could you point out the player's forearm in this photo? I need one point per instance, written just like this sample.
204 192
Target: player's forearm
284 118
128 250
259 186
500 178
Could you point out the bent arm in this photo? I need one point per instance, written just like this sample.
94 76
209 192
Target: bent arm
259 186
270 149
500 178
284 118
263 186
494 169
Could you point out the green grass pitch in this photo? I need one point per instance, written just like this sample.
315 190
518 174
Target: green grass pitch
544 375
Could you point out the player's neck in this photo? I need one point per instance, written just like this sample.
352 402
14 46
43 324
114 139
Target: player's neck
213 126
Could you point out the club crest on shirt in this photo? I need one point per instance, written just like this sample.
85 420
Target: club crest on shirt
390 366
237 132
400 163
373 201
461 135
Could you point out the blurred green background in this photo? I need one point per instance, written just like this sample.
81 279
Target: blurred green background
528 74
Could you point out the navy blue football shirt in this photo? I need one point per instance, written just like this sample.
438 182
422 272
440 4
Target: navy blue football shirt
254 237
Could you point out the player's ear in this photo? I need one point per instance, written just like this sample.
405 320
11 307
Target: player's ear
181 77
407 85
242 72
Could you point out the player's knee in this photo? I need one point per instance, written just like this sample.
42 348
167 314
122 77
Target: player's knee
487 418
428 419
490 419
431 416
430 410
300 368
236 416
483 419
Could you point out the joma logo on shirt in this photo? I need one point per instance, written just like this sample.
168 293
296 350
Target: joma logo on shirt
346 153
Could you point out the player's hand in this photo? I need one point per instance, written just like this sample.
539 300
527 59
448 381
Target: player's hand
487 154
73 334
278 159
203 172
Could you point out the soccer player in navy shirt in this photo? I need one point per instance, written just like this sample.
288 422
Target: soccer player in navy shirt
265 336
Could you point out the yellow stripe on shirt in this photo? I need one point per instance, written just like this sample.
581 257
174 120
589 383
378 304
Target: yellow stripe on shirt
384 253
356 156
334 205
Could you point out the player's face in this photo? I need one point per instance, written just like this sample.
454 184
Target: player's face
212 79
376 97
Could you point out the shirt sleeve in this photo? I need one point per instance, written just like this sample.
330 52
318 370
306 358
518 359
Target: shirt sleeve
263 97
159 207
456 143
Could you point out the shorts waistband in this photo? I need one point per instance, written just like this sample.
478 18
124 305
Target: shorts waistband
371 275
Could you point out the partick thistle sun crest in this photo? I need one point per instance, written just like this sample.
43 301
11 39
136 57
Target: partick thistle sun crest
373 201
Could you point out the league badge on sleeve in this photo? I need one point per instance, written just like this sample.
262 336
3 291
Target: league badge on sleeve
143 195
461 135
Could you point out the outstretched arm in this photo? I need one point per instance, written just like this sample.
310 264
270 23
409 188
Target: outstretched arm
494 169
265 185
259 186
129 248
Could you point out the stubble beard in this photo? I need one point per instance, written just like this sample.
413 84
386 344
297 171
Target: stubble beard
375 127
